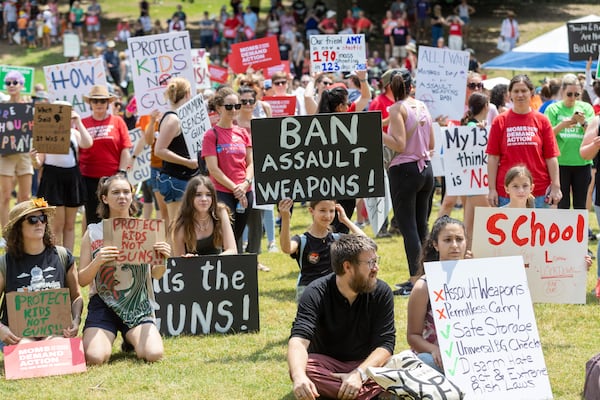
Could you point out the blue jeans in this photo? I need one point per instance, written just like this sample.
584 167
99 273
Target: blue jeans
427 358
540 202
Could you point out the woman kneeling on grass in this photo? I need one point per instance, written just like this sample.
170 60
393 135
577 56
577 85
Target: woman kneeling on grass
120 294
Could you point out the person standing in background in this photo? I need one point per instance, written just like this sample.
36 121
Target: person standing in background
509 31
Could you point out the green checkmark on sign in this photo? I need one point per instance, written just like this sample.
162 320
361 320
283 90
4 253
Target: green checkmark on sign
453 370
449 351
446 332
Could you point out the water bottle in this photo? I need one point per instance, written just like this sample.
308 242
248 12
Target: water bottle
239 208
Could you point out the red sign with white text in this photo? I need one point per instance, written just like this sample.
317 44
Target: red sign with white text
269 71
281 106
218 74
258 54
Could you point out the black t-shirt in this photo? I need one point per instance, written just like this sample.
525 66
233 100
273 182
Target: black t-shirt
316 257
400 34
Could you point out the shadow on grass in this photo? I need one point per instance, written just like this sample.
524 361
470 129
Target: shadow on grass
287 294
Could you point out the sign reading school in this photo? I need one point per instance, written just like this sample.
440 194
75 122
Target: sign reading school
323 156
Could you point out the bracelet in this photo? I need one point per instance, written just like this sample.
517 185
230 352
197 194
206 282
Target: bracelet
362 80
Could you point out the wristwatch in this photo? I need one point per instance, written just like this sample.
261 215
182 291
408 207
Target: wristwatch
363 375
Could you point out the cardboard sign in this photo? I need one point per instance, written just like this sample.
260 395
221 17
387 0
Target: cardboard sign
442 81
283 67
281 106
258 54
486 329
27 72
194 121
71 81
583 40
200 62
313 157
140 170
208 294
38 314
52 128
155 60
553 244
16 125
218 74
58 356
338 53
465 160
135 237
71 45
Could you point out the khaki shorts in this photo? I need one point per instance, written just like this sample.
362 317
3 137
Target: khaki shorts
399 52
16 164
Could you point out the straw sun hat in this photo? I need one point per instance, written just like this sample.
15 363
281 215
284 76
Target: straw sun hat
26 207
98 92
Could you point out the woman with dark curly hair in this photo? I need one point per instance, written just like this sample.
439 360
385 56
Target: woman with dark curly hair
499 97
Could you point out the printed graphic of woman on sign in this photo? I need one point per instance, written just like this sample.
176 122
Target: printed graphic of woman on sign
120 294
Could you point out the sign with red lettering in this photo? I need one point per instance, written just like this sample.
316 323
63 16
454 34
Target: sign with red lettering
281 106
283 67
553 244
200 63
338 53
58 356
258 54
40 313
135 238
218 74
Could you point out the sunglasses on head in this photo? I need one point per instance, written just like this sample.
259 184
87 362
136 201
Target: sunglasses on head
34 219
279 83
13 83
230 107
247 101
98 101
571 94
474 85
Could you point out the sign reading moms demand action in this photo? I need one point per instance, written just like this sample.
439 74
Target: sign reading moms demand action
324 156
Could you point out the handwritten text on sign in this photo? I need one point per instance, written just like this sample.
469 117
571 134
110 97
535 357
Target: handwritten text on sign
16 127
583 40
338 53
324 156
140 170
442 81
200 61
465 160
194 121
208 294
52 128
135 238
41 313
553 244
486 328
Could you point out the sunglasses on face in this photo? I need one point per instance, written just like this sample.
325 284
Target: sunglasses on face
327 83
230 107
34 219
98 101
474 86
279 83
12 83
247 83
571 94
247 101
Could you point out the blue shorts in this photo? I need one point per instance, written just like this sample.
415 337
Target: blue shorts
171 188
101 316
153 181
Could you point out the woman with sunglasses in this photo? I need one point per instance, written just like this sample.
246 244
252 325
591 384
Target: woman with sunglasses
32 263
569 118
313 91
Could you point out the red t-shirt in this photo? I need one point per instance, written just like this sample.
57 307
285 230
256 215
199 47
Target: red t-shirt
363 24
455 29
110 136
523 139
382 103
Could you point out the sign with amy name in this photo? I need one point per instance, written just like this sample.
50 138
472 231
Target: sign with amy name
52 128
583 40
16 127
39 313
194 121
553 244
313 157
135 237
208 294
486 330
338 53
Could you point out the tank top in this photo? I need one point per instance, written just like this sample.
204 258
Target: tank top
418 121
178 147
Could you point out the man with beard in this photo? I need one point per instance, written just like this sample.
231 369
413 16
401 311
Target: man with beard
344 324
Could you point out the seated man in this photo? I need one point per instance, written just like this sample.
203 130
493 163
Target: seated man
344 324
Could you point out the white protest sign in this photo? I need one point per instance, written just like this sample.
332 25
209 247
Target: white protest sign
465 160
194 121
200 63
140 170
71 81
553 244
338 53
442 81
378 208
156 59
437 158
486 329
71 45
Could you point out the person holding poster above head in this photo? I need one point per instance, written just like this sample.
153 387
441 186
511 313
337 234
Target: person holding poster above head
32 263
120 295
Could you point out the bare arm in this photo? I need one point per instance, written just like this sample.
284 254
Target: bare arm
493 162
229 245
151 127
287 245
396 136
76 301
347 221
555 194
88 267
84 139
416 312
297 357
591 141
365 92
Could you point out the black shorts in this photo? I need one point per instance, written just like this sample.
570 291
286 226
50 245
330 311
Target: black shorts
101 316
62 186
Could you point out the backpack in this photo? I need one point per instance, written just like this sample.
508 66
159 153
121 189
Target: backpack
591 387
303 240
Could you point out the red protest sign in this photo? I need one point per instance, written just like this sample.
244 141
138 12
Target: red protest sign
281 106
269 71
218 74
258 54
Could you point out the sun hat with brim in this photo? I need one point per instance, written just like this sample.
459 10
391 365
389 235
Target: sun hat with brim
24 208
98 92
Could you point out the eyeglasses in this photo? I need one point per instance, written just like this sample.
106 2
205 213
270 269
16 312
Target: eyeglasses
247 101
98 101
571 94
34 219
279 83
13 83
230 107
474 86
327 83
372 263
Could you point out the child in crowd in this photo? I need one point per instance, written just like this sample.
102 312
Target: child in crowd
518 184
31 33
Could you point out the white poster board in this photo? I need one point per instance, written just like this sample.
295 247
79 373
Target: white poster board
553 244
155 60
437 158
442 81
200 63
140 170
465 160
378 208
194 121
486 329
338 53
71 45
71 81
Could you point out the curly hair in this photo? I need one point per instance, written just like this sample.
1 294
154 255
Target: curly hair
15 242
428 251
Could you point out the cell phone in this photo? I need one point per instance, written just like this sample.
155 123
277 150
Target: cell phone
547 198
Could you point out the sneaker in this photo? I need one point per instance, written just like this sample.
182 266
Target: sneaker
403 284
403 291
383 234
262 267
272 248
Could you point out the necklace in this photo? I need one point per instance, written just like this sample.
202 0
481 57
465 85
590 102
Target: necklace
203 224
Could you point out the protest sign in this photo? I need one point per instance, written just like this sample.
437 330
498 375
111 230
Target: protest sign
27 72
378 208
338 53
465 160
553 244
218 74
155 60
258 54
140 170
283 67
322 156
583 40
437 158
59 356
442 81
135 237
71 81
486 329
200 62
39 313
208 294
52 128
194 121
71 45
16 125
281 106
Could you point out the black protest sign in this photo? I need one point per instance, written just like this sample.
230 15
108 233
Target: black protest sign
315 157
583 40
208 294
16 124
39 313
52 128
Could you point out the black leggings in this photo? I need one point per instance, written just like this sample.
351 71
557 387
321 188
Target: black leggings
575 180
239 219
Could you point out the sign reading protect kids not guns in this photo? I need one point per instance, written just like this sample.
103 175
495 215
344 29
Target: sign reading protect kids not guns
71 81
135 238
486 329
338 53
39 313
155 60
16 125
553 244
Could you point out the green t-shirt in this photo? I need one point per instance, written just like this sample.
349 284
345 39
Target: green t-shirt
569 139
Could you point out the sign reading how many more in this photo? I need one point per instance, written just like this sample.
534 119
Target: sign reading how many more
583 40
52 128
486 329
16 127
337 53
194 121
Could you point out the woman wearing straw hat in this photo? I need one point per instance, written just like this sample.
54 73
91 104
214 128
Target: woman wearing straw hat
110 150
33 263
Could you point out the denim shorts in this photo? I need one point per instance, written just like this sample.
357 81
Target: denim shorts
171 188
153 181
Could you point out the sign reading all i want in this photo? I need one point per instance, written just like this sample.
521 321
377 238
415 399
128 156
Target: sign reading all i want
337 53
